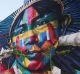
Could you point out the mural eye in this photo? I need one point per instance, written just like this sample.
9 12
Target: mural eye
38 25
44 22
17 31
40 22
20 29
24 28
54 23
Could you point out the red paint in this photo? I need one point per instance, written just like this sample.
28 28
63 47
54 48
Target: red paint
51 30
35 65
31 14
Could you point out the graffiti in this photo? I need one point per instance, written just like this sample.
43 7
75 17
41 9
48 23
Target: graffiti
43 34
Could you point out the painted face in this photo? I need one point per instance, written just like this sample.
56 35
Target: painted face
36 37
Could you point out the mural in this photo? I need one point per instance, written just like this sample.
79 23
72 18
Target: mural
41 34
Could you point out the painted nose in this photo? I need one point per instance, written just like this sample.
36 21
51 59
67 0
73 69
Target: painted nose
32 36
33 39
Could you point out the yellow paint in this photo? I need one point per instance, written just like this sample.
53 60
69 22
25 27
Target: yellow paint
26 62
29 33
55 45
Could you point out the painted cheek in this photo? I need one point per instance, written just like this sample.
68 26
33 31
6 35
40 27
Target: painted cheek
36 65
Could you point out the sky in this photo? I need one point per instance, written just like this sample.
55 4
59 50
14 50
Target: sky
9 6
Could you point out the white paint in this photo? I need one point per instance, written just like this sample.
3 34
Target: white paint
72 39
56 70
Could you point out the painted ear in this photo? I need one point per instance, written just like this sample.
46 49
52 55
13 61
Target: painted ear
66 20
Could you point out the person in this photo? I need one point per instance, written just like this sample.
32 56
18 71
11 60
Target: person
35 37
37 34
